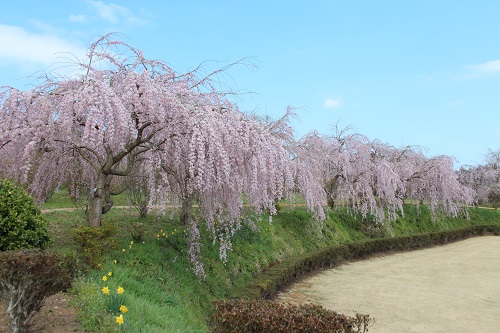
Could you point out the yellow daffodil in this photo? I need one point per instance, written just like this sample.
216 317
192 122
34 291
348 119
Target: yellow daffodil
105 290
130 246
104 278
115 261
131 242
110 273
119 320
123 250
120 290
123 309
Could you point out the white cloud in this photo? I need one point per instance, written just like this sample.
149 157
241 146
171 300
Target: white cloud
43 27
23 47
77 18
331 103
114 13
488 67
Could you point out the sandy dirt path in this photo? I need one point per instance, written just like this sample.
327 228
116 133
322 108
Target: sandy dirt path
451 288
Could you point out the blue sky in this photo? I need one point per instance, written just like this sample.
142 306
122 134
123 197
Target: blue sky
413 72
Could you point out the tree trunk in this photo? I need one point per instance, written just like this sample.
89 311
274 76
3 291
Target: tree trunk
108 202
97 201
330 202
19 316
143 211
331 189
185 207
15 313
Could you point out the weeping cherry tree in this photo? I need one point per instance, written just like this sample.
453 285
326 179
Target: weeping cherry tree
124 114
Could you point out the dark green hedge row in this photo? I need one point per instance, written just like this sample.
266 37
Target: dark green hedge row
277 277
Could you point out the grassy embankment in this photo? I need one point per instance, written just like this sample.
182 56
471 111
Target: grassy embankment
161 292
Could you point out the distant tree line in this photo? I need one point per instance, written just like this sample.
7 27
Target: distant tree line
484 179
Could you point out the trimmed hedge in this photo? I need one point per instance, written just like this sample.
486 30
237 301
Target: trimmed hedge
244 316
277 277
27 278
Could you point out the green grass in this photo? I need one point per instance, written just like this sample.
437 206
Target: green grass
61 199
162 293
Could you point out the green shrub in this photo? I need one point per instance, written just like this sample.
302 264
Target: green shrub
27 278
137 231
272 317
92 242
21 222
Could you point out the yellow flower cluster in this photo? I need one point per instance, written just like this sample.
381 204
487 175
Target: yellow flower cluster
119 319
105 277
123 308
119 291
105 290
166 233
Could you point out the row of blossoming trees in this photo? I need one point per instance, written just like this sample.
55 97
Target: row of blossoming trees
484 179
375 178
130 122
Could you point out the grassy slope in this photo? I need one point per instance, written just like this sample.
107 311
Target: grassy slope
161 292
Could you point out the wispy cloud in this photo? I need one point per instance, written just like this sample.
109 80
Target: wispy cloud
114 13
77 18
331 103
24 47
488 67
